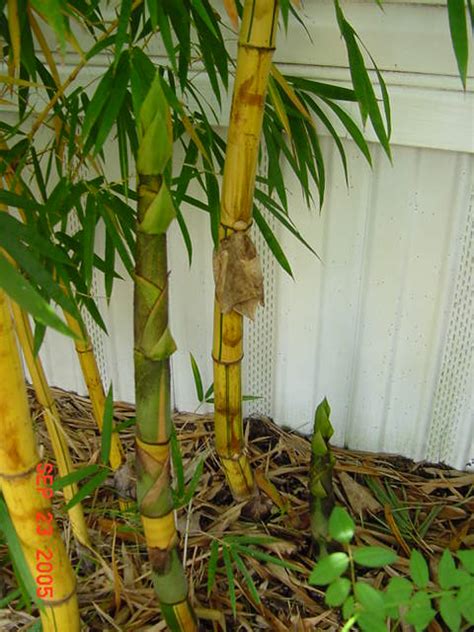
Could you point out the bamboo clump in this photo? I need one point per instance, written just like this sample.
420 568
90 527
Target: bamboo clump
255 50
153 347
26 505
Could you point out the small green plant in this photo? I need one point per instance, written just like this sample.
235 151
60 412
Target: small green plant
414 600
233 548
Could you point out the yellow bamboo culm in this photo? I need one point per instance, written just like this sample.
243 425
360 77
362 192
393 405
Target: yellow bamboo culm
256 45
51 418
29 508
93 381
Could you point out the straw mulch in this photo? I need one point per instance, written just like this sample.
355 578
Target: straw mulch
395 502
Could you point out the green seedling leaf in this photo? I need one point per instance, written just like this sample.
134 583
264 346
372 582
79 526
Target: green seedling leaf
374 556
447 571
398 592
371 622
193 483
465 603
467 559
337 592
420 613
328 569
450 612
419 569
107 427
341 526
368 597
348 608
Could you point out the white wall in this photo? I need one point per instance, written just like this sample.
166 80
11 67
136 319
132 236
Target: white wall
384 325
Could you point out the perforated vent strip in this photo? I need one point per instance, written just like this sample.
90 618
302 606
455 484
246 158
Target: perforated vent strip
453 393
259 340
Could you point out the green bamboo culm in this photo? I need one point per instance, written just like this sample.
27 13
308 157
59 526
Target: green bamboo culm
320 477
152 350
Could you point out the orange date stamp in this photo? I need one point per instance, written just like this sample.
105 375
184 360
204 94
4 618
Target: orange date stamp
44 528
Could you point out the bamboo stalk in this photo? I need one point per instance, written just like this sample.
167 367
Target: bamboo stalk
153 347
320 477
256 45
29 509
52 420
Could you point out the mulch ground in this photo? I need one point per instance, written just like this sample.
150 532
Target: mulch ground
394 501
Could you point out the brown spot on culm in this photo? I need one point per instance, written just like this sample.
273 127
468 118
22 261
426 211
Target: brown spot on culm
160 559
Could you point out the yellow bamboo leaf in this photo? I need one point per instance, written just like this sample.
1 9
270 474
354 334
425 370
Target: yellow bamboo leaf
15 33
19 82
231 11
188 126
290 93
279 107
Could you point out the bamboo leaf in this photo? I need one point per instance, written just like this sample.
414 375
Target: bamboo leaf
290 93
16 552
212 566
107 427
230 579
18 288
98 102
459 36
272 241
53 12
197 378
247 576
75 477
88 488
121 35
177 462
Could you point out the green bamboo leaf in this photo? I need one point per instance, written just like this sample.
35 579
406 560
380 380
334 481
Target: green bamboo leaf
201 9
185 234
18 288
88 240
114 102
193 483
230 579
337 592
107 427
18 201
341 526
88 488
74 477
197 378
163 21
212 566
16 552
38 174
328 569
212 189
177 463
419 569
272 241
352 128
459 36
322 89
38 337
450 612
53 12
121 35
373 556
98 102
10 597
13 229
265 557
247 576
361 81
